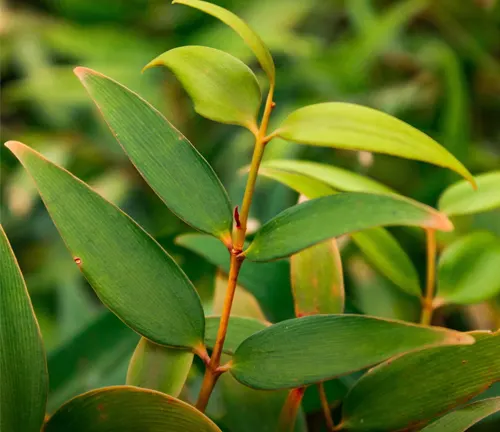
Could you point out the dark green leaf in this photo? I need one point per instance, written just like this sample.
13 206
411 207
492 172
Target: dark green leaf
251 38
315 348
128 409
355 127
469 270
311 222
317 280
175 170
159 367
460 199
23 367
118 257
439 378
222 87
463 418
238 330
268 282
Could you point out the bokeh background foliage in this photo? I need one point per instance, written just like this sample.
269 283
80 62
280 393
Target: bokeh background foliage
434 64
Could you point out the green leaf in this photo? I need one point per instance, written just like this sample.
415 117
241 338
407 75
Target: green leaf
336 345
381 248
117 257
23 368
239 329
355 127
317 280
387 255
313 221
468 270
268 282
97 356
464 418
159 367
335 177
223 88
459 199
439 378
175 170
307 186
251 38
128 409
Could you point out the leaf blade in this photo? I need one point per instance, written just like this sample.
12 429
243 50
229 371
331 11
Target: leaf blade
222 87
355 127
310 222
100 237
458 199
153 144
275 357
432 375
251 38
23 367
128 408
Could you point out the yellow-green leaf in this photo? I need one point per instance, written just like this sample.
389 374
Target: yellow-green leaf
355 127
222 87
23 367
175 170
317 280
128 409
462 419
311 222
439 378
130 272
460 199
469 269
251 38
159 367
315 348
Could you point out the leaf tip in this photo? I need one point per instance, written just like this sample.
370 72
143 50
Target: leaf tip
458 338
81 72
441 222
16 147
151 64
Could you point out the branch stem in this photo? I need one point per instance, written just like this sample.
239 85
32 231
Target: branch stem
289 412
427 300
213 369
330 425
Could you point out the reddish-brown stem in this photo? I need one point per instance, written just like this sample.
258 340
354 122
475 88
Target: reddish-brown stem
427 300
325 407
288 415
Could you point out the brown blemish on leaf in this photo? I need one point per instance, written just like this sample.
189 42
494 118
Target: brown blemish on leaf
78 261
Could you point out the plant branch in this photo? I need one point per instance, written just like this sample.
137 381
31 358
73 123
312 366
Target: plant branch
427 306
213 369
288 415
326 407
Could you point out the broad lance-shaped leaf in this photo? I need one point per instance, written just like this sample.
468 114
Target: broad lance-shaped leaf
222 87
23 368
268 282
127 408
317 280
130 272
380 247
439 378
355 127
238 330
175 170
335 177
97 356
464 418
459 199
251 38
159 367
311 222
469 270
337 345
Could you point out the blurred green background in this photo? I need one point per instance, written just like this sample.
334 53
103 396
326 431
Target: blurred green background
434 64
